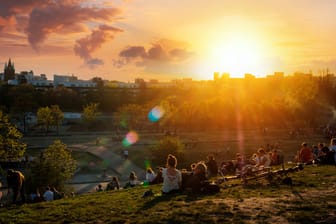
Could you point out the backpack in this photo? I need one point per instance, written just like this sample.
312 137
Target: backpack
210 188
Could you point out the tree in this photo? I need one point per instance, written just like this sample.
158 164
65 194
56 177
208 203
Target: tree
10 145
99 81
22 102
57 116
54 167
90 113
50 116
45 117
133 116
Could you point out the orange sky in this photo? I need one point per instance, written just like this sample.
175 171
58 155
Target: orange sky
123 40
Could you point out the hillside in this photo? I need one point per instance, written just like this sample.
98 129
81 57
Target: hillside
311 199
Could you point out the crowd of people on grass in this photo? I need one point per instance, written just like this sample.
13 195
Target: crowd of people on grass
266 157
317 154
195 179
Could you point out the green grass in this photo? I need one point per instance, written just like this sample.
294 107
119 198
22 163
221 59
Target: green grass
225 144
311 199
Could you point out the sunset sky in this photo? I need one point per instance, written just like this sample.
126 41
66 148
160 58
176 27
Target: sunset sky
124 40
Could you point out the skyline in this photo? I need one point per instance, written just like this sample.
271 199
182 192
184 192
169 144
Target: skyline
124 40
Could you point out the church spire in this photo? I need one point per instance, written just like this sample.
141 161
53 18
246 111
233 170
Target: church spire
9 71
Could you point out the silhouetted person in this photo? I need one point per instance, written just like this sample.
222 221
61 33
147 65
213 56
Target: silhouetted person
16 182
212 166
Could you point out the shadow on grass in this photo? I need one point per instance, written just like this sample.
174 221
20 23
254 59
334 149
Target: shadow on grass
158 198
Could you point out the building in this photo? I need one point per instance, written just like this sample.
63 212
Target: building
72 81
9 71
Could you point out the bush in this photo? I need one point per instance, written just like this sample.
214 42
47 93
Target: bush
169 145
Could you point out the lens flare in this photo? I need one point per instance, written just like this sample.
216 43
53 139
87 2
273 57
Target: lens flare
130 138
156 113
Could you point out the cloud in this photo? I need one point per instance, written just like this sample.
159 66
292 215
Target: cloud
160 52
133 52
37 20
86 46
157 53
179 54
94 62
9 8
60 17
165 57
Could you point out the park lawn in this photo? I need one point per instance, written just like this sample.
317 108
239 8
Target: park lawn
311 199
225 144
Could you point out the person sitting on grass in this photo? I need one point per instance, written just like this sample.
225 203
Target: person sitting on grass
150 175
240 164
48 194
172 177
36 197
158 178
195 182
305 154
212 166
57 194
263 159
227 167
276 157
113 184
192 167
132 180
99 188
332 147
322 157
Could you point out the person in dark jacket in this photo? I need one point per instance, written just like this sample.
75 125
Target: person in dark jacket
212 166
16 182
195 182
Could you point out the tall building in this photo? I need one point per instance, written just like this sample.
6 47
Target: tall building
9 71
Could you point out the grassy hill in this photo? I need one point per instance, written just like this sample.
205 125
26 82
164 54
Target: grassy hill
311 199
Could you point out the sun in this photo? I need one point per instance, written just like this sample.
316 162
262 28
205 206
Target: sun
236 54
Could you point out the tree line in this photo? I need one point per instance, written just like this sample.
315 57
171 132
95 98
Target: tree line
293 101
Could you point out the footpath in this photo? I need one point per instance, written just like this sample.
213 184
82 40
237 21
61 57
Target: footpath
116 165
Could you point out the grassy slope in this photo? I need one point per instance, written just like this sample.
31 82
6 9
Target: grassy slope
312 199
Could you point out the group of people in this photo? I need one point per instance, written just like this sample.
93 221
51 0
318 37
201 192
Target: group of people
260 160
16 190
195 180
50 194
173 180
318 154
